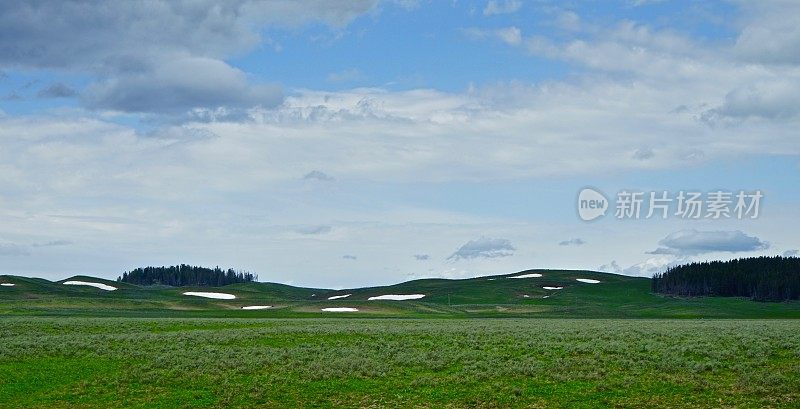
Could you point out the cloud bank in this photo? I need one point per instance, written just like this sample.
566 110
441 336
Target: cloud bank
483 247
693 242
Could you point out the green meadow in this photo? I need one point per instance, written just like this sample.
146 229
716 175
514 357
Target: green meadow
50 362
487 342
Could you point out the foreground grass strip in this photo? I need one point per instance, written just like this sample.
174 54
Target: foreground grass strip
242 363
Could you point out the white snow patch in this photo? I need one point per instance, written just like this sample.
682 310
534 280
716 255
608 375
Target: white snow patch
546 296
340 309
7 284
532 275
526 296
397 297
257 307
491 279
96 285
553 288
336 297
218 296
588 280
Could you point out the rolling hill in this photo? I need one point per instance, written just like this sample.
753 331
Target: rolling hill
531 293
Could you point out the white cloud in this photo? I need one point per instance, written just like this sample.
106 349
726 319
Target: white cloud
318 175
654 265
772 34
178 85
156 56
510 35
483 247
572 242
777 99
692 242
612 267
494 7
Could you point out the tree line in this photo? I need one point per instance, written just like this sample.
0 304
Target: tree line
183 275
759 278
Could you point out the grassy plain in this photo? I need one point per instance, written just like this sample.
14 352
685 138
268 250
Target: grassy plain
62 362
486 342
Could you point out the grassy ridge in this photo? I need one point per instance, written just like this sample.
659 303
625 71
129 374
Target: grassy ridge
243 363
616 296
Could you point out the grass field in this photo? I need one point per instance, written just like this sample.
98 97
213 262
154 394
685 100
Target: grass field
490 342
167 363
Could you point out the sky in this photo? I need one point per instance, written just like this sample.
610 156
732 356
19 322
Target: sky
367 142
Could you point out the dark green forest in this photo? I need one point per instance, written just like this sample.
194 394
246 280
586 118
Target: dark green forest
184 275
759 278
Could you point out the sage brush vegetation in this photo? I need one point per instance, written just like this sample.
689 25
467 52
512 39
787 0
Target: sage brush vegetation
490 363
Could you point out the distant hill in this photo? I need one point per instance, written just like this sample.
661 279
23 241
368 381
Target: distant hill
531 293
759 278
184 275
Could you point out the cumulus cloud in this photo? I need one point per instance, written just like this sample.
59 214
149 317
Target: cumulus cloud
314 230
643 154
612 267
774 100
179 85
421 257
494 7
654 265
772 35
647 267
155 56
57 90
791 253
318 175
510 35
692 242
572 242
483 247
121 36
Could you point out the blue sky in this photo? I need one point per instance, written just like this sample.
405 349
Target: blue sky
368 142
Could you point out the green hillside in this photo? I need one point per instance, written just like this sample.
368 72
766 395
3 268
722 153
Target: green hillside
614 296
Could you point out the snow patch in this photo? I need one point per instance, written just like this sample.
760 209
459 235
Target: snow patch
526 296
546 296
7 284
553 288
257 307
218 296
532 275
340 309
397 297
90 284
587 280
336 297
